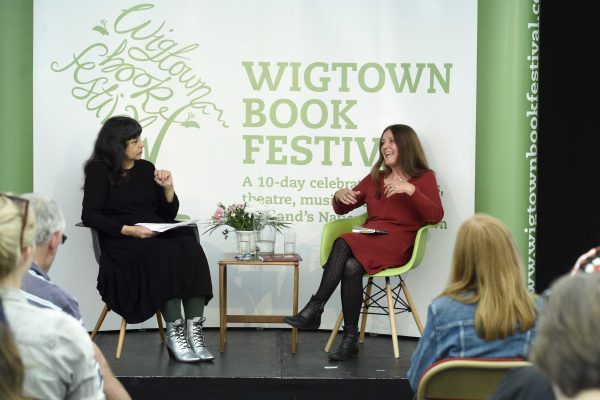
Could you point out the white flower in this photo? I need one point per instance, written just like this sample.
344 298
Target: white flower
253 208
258 209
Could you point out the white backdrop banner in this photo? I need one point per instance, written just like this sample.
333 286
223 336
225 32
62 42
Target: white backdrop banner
257 100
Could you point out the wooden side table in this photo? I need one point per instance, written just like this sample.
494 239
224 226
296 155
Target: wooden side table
289 260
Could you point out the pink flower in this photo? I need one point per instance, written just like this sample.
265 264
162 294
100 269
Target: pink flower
218 213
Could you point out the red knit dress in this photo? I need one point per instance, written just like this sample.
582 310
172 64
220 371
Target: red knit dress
400 215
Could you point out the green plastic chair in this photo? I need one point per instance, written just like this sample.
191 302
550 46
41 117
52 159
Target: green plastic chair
395 302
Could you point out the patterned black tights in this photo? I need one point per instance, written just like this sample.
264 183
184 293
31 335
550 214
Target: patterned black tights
342 266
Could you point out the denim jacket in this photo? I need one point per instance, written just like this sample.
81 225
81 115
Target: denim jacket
450 332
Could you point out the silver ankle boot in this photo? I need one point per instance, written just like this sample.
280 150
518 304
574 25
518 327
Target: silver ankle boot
177 344
195 337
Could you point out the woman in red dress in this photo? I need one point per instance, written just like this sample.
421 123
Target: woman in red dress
401 195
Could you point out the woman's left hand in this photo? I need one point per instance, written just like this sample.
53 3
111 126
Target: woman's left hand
163 178
398 186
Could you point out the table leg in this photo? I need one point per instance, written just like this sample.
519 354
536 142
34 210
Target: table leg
295 309
225 301
222 305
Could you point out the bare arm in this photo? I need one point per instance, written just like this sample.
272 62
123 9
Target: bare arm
113 389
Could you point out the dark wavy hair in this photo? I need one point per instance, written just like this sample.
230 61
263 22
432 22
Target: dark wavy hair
412 156
111 144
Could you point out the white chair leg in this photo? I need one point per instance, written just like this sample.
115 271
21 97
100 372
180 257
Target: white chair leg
100 321
411 304
334 332
390 300
121 338
161 330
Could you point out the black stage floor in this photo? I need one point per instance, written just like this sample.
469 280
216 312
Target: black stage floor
258 364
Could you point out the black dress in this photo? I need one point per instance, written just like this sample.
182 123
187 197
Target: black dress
137 276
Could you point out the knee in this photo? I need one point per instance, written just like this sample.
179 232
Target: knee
353 269
340 244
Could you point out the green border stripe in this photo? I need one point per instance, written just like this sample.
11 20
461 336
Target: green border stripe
506 151
16 96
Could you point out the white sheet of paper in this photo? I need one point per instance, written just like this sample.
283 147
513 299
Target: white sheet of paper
165 227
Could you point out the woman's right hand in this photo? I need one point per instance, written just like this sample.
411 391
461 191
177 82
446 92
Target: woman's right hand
140 232
346 196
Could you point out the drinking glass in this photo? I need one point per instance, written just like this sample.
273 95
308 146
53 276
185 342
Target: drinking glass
289 241
266 240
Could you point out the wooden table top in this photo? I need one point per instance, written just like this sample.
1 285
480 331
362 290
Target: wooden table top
274 259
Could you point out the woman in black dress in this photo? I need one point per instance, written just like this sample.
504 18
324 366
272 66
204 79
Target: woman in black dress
142 271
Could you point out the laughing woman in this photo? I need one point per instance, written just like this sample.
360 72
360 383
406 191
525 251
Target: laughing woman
401 195
142 271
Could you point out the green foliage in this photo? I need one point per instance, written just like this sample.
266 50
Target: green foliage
244 217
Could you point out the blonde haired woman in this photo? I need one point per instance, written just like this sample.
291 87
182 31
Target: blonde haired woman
11 366
486 310
55 349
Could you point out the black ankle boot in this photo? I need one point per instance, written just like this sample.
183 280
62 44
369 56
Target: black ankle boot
349 346
309 317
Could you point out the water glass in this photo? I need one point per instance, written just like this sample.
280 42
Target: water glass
266 241
289 241
243 247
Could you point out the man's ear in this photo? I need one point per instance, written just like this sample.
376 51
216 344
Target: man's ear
55 241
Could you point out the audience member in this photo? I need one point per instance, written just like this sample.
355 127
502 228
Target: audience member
524 383
49 235
531 383
567 347
56 350
589 262
11 365
41 292
486 310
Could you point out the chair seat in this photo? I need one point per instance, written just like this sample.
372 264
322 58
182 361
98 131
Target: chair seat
465 378
393 271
